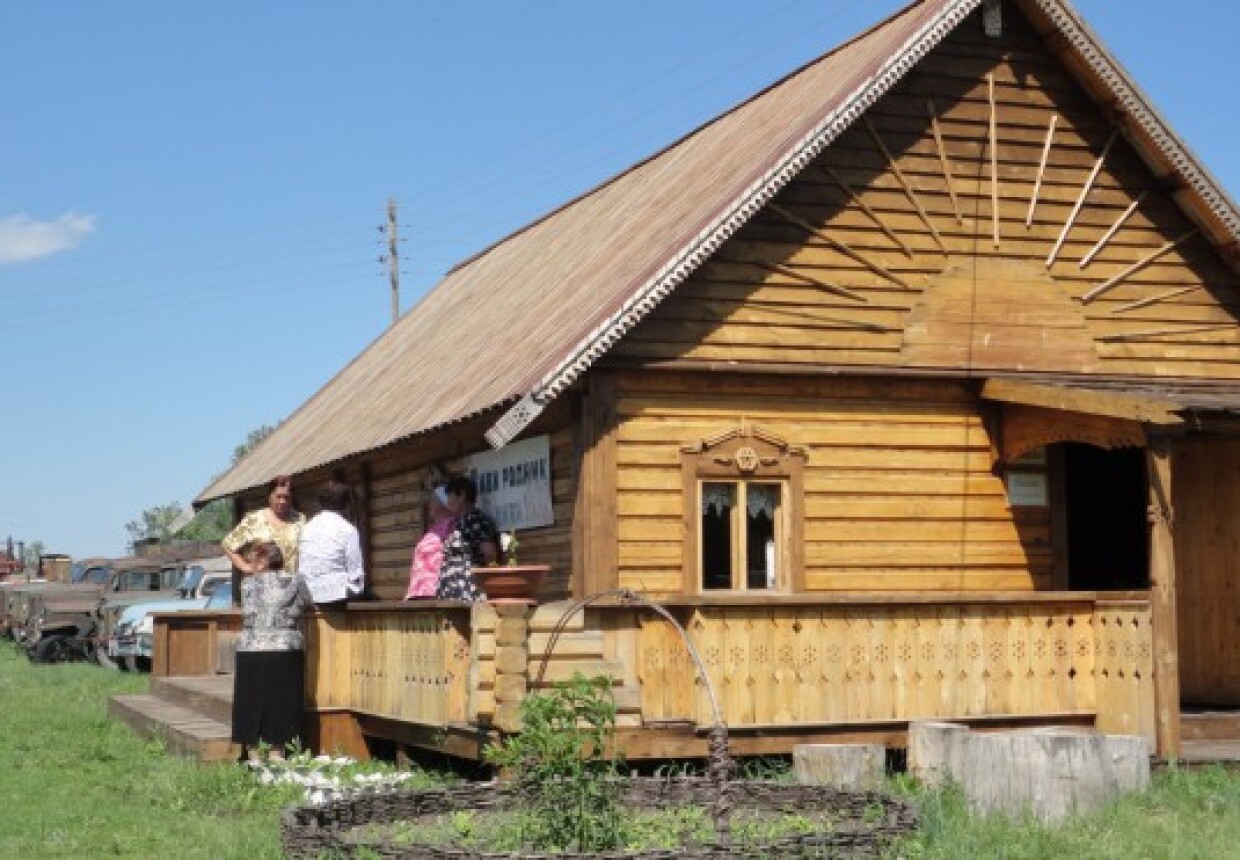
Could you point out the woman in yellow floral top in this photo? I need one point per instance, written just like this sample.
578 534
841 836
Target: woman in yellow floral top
277 523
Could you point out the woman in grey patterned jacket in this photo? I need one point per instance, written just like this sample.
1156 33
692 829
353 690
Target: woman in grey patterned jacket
269 679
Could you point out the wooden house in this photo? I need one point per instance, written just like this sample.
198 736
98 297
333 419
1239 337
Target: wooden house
908 386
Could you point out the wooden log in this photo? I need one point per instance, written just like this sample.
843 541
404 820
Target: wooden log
857 767
935 750
1050 774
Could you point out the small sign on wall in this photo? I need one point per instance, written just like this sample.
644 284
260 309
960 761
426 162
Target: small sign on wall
1027 489
514 483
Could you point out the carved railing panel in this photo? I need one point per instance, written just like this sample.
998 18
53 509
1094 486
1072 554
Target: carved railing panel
832 664
409 666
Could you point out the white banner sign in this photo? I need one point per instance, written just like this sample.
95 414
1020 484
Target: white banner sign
514 483
1027 489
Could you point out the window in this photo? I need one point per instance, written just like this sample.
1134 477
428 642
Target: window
740 535
742 494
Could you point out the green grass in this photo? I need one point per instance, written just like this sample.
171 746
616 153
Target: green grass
75 784
1186 815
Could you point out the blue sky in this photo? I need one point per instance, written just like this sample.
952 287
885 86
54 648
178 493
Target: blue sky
190 192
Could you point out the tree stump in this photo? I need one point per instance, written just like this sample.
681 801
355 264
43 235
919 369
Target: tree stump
935 750
1049 773
855 767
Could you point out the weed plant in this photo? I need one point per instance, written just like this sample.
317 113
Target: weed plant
559 764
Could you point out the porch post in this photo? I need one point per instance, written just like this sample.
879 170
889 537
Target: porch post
1162 598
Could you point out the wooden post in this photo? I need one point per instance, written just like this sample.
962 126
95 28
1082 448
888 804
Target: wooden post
393 259
1162 598
596 503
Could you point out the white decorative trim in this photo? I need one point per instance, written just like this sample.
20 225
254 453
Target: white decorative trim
1141 111
701 247
515 420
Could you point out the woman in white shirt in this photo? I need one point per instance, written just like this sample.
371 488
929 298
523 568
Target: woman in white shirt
330 550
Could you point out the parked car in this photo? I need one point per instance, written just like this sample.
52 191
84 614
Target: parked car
66 615
125 628
174 582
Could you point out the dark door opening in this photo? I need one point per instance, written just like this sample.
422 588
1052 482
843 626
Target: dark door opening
1107 533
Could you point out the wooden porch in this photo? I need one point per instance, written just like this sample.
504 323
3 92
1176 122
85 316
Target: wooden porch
840 667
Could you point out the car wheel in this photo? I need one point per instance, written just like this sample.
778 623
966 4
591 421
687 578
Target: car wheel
52 649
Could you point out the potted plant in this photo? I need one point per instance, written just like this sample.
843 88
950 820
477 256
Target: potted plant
510 581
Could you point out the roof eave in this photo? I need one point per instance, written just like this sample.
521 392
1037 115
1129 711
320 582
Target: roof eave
646 297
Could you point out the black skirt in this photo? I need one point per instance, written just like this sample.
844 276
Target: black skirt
269 698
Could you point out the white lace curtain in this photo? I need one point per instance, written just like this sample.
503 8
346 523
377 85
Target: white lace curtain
759 499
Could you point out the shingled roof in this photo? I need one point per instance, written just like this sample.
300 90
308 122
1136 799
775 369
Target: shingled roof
515 325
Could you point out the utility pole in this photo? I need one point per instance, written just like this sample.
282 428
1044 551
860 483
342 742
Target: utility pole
393 259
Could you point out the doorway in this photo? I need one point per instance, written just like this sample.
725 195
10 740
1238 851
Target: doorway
1107 533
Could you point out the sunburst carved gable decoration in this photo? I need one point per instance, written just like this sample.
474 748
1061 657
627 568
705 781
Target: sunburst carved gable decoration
985 214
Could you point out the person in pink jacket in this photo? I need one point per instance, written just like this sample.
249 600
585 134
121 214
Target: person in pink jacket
428 554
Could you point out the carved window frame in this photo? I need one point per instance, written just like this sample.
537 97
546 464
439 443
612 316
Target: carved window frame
751 455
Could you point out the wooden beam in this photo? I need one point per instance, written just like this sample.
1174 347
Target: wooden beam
1164 332
1080 200
602 516
1114 282
1046 153
1162 599
830 320
1153 300
781 269
819 233
943 160
904 183
870 213
994 160
1106 237
1112 404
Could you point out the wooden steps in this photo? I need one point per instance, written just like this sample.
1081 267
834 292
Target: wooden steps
1210 725
192 715
1210 736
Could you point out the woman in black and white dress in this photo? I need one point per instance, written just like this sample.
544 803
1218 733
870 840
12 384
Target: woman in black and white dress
269 680
474 542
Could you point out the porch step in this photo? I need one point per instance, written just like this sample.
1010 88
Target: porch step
1210 726
185 732
210 695
1209 752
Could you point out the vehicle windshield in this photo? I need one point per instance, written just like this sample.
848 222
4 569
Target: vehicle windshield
193 576
93 575
221 597
141 579
211 586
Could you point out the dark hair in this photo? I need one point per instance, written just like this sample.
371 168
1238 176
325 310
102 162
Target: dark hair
274 555
336 496
462 485
279 482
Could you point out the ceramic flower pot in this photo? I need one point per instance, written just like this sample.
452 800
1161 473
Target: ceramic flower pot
516 583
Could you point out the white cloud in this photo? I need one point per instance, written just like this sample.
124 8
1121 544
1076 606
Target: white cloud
22 238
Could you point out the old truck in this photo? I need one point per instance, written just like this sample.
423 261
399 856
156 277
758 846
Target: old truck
59 623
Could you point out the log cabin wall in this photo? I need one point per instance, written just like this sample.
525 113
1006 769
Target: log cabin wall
898 488
983 216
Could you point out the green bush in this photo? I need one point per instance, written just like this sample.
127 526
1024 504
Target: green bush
559 764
